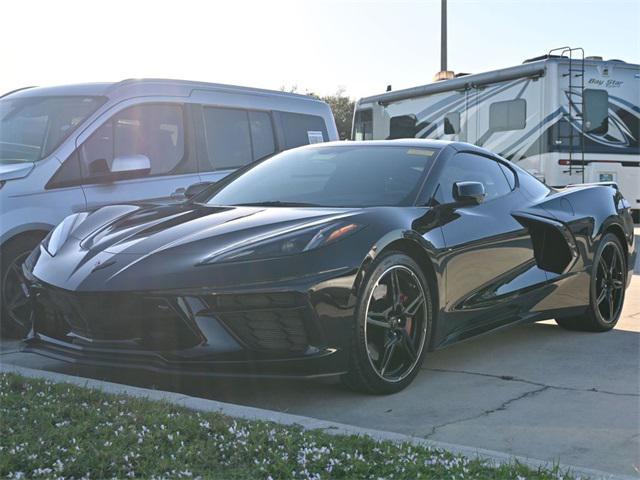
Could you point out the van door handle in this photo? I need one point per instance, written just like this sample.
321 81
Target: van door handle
178 193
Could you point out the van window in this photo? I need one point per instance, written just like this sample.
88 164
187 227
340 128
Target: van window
509 115
452 123
363 125
262 135
596 111
153 130
237 137
300 129
31 128
228 137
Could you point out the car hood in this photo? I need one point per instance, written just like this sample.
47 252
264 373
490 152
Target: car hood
138 230
12 171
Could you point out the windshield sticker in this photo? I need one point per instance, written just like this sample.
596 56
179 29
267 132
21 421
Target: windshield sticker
420 151
314 136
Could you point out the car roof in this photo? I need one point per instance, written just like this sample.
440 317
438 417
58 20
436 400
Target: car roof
409 143
154 86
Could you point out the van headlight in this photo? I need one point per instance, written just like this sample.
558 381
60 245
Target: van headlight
301 240
60 234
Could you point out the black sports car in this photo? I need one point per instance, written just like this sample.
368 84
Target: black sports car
351 258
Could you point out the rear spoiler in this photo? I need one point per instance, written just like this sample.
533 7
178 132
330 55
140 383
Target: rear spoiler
595 184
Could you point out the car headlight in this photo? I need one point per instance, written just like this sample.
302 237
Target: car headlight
60 234
301 240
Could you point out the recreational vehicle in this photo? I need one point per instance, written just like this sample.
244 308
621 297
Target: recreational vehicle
565 118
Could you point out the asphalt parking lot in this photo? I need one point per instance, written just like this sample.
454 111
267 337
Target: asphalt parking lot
535 390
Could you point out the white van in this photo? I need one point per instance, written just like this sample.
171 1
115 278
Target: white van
78 147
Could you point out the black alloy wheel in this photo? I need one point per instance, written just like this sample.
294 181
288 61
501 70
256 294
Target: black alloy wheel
607 289
16 312
394 323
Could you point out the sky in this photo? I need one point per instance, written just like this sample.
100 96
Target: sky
319 46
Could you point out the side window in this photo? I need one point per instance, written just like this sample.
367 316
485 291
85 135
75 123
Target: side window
509 115
452 123
466 167
403 126
511 177
300 129
228 137
596 111
237 137
363 125
153 130
261 134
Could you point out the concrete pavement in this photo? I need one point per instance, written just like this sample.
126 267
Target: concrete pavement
535 390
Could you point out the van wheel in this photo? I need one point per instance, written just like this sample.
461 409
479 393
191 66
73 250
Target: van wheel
16 312
392 327
607 288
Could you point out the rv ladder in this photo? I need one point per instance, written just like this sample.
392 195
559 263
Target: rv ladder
574 114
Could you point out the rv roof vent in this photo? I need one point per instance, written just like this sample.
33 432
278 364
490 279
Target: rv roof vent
616 60
594 57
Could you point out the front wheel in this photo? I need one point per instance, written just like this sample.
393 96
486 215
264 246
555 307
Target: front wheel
606 290
15 309
393 325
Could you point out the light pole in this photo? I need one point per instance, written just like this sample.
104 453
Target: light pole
443 74
443 36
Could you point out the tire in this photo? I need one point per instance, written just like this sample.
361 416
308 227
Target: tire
15 313
392 328
606 289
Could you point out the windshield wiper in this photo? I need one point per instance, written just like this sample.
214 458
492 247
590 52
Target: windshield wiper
276 203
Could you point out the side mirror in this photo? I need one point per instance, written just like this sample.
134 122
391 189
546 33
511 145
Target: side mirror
469 192
130 165
196 189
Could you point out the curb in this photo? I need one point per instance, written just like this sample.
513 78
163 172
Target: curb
334 428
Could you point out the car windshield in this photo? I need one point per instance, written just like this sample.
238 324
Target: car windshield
332 176
32 127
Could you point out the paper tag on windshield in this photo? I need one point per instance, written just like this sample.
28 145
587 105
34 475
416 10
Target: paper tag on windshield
315 136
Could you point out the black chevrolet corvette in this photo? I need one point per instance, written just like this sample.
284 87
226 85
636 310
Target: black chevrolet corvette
350 259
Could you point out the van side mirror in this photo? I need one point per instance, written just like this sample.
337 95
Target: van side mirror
469 192
196 189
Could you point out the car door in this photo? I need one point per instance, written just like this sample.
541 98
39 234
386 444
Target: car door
152 130
489 256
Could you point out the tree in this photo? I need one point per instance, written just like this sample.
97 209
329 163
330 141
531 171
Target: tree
342 108
341 105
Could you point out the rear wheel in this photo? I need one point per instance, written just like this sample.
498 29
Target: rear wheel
608 279
392 328
16 311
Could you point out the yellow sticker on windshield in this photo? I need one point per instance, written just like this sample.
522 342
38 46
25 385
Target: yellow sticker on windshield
420 151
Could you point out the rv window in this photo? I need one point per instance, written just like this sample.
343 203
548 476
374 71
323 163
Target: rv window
300 129
596 111
363 125
509 115
452 123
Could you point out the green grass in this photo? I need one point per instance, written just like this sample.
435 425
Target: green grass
62 431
